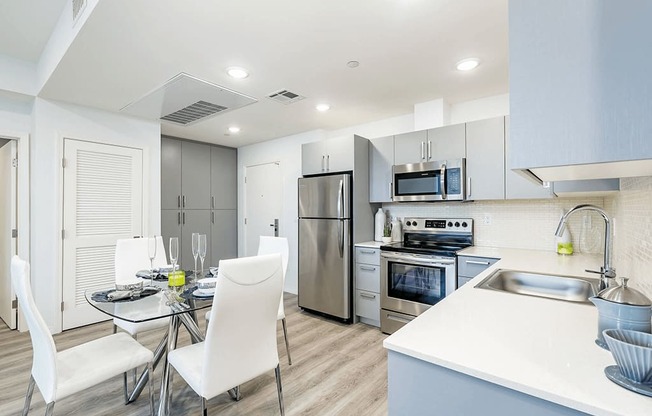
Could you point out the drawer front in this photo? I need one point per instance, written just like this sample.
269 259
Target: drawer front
367 277
367 304
367 255
472 266
391 321
461 281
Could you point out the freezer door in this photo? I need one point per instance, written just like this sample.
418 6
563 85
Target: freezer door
325 197
325 266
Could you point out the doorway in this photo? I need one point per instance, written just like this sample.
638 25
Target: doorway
8 229
263 203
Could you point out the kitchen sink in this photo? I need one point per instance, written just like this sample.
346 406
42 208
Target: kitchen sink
570 289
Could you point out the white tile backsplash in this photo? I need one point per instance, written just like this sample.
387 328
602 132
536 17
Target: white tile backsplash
528 224
632 209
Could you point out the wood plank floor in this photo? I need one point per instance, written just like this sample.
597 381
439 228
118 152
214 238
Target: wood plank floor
336 369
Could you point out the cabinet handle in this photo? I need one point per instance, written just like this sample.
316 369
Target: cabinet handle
422 150
390 190
328 162
184 218
212 218
212 202
483 263
429 149
367 251
367 295
468 187
183 204
178 218
322 162
178 201
371 269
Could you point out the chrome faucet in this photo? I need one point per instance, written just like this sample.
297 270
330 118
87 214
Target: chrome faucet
606 271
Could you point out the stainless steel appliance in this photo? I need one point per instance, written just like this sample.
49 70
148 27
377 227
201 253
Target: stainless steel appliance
420 270
325 245
442 180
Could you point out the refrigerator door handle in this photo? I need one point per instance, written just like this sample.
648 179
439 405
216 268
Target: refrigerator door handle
340 199
340 237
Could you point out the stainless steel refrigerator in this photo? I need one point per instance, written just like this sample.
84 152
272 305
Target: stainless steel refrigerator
325 245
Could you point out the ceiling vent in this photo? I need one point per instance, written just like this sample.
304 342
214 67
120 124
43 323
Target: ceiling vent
185 100
77 7
285 97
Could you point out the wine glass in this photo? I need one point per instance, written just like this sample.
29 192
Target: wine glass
195 250
202 251
174 252
151 252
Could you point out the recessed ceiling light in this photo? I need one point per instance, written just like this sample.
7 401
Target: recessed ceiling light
467 64
322 107
237 72
353 64
234 129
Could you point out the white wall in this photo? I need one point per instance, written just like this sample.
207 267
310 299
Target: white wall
15 114
488 107
51 122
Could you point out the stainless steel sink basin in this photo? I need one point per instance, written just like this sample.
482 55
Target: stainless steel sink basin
570 289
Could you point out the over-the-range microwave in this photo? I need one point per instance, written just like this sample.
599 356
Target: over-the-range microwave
442 180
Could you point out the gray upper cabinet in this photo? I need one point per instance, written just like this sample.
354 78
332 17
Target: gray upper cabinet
195 175
381 159
332 155
580 87
485 159
516 185
446 143
224 169
411 147
170 173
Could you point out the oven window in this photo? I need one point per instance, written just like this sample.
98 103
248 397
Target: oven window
420 284
417 183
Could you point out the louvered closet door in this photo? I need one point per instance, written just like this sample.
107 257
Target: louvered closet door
103 193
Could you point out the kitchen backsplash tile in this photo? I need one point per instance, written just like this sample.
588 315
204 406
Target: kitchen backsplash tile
632 209
528 224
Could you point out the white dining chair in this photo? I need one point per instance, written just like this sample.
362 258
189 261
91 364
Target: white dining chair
241 336
59 374
271 245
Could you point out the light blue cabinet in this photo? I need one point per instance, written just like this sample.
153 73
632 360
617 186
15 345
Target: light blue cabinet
381 159
580 84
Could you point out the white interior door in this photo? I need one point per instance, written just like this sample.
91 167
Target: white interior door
102 202
263 203
8 246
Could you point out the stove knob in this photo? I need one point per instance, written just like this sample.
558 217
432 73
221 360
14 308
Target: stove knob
408 223
464 224
450 224
457 224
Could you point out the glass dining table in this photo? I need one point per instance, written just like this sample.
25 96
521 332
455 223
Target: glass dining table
180 306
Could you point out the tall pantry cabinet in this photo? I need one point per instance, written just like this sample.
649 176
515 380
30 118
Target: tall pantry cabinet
199 194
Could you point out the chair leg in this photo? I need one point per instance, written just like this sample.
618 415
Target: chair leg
287 344
204 412
150 368
126 390
28 396
49 409
279 388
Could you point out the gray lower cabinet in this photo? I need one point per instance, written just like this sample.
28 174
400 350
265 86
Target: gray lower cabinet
469 267
367 285
195 175
170 227
224 235
381 159
485 159
194 221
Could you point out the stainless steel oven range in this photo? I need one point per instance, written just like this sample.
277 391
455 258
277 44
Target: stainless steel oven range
420 270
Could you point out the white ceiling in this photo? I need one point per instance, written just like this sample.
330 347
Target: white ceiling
407 51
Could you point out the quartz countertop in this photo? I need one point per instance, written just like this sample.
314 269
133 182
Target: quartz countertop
541 347
370 244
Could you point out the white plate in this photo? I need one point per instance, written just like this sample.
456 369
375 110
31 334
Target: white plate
201 294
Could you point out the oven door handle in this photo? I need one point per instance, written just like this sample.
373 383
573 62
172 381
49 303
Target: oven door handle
416 260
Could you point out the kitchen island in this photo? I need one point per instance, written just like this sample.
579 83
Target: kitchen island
487 352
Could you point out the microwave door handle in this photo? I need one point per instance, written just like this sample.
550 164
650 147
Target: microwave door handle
442 181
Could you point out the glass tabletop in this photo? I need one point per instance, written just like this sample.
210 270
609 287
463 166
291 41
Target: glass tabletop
158 305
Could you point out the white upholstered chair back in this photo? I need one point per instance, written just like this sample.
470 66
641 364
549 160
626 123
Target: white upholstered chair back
131 255
241 335
270 245
44 368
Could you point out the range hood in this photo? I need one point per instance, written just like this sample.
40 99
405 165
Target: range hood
185 100
605 170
